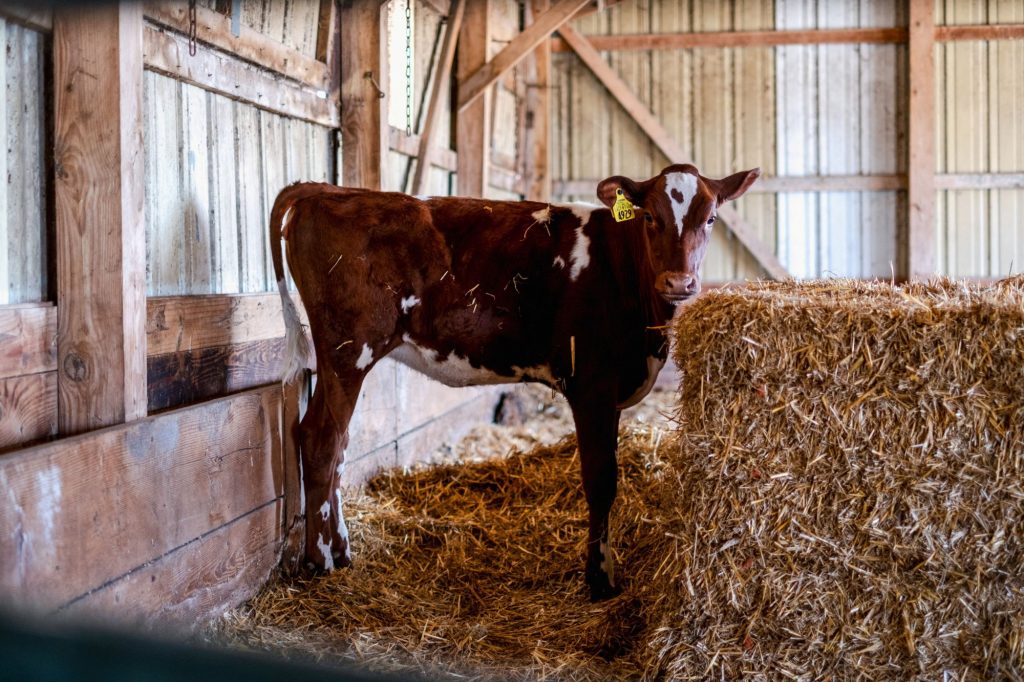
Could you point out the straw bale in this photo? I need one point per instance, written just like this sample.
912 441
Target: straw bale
847 499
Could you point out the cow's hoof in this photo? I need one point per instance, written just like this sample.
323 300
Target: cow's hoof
341 559
601 588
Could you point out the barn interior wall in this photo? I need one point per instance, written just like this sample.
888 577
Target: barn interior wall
808 111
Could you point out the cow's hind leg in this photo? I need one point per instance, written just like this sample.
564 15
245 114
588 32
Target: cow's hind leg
597 426
323 436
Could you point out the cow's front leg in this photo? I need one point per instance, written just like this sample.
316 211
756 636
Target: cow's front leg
597 426
323 435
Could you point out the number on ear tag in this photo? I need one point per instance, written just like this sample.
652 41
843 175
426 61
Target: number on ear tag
622 209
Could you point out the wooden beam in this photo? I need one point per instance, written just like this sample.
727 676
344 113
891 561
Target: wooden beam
214 28
537 164
473 123
921 228
438 89
363 81
776 184
91 510
523 44
36 18
28 409
101 234
167 53
990 32
678 41
643 116
398 141
506 180
979 181
327 46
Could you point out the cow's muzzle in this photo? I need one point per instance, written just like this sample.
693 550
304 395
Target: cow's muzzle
676 287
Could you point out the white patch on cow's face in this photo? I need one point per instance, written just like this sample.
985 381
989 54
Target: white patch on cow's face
686 185
559 263
455 370
408 303
325 549
580 256
365 358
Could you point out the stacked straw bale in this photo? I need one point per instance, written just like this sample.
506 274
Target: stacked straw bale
848 494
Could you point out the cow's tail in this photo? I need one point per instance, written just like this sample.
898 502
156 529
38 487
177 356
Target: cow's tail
297 353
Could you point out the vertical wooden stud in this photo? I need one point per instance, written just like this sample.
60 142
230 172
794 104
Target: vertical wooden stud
5 279
921 143
474 122
101 248
363 77
536 165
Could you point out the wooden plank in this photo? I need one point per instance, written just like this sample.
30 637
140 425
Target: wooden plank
224 232
980 32
505 180
167 53
537 124
37 18
473 123
165 192
409 145
196 185
829 183
28 339
28 409
473 85
181 323
643 116
979 181
251 217
272 175
27 173
101 245
85 511
325 30
921 236
719 39
438 89
363 129
6 223
214 28
196 583
191 376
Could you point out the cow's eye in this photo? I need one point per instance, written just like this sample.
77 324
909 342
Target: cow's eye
711 220
648 218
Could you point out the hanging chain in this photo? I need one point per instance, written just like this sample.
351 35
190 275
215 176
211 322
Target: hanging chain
408 67
192 28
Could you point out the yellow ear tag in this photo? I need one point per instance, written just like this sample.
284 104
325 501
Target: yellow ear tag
622 209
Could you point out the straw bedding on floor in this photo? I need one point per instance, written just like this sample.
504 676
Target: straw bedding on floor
843 496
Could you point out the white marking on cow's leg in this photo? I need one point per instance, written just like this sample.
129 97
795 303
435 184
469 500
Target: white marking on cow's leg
685 184
342 528
302 488
559 263
325 549
325 509
607 562
408 303
365 358
580 256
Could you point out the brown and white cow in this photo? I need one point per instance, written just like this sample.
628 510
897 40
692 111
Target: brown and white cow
472 291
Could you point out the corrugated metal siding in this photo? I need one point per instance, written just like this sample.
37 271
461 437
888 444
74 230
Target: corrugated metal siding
23 218
213 169
980 128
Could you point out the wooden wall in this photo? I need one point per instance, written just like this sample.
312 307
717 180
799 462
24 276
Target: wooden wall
827 123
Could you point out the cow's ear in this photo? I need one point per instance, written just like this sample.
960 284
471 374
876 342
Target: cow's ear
606 190
735 185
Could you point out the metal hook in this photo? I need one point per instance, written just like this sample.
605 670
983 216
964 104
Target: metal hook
368 75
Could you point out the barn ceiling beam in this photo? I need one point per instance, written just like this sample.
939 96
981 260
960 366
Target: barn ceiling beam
675 41
647 121
438 88
100 230
523 44
921 228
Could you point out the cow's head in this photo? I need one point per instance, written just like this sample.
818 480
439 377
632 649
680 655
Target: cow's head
679 207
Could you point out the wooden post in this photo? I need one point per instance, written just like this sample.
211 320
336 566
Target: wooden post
101 236
363 79
537 165
921 230
474 122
